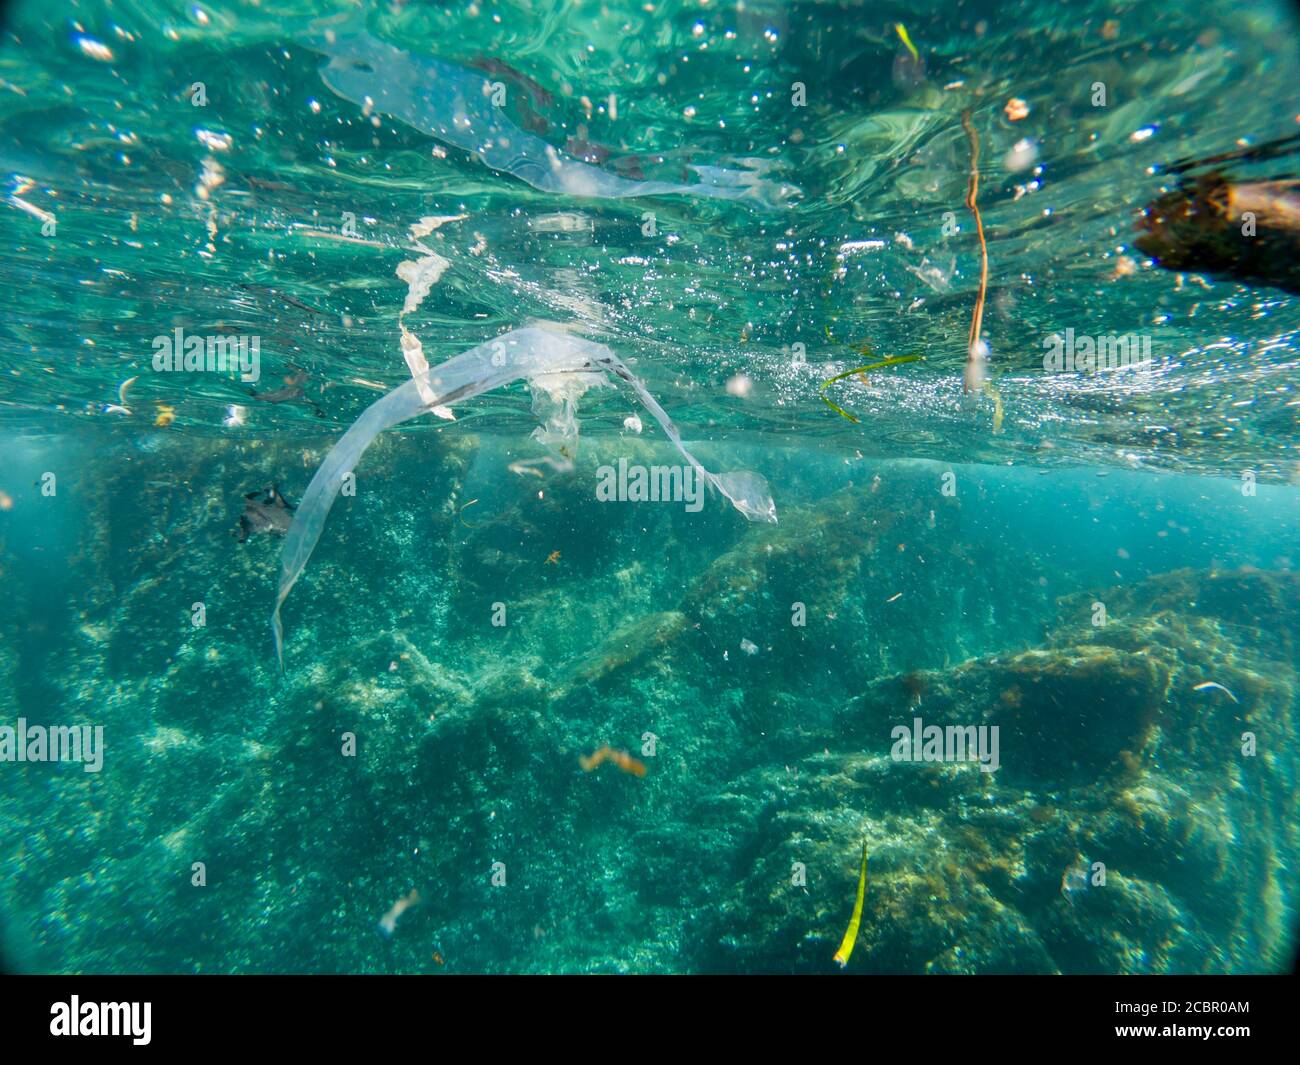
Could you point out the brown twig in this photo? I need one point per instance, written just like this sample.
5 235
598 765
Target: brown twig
621 759
973 375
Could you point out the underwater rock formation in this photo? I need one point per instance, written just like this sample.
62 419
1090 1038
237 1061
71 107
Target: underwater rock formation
1108 755
467 738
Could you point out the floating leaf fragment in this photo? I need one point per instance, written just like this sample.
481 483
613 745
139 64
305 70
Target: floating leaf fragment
851 933
901 30
992 393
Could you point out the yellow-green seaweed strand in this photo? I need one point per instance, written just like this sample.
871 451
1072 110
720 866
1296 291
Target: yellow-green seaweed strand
901 30
840 410
894 361
861 369
851 933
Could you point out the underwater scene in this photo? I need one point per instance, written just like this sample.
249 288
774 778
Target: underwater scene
666 487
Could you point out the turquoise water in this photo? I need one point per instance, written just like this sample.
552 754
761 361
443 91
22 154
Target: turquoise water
724 206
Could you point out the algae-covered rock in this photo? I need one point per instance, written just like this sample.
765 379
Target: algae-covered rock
1129 828
413 744
633 646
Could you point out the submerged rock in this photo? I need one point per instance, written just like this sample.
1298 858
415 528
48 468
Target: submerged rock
739 849
1128 829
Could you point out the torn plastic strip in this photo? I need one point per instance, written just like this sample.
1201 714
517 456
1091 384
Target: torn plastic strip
522 353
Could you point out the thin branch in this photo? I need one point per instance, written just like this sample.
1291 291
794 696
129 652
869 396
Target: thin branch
973 376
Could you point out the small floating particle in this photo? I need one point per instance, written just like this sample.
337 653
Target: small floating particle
420 276
1022 156
740 386
211 178
430 222
749 647
214 141
92 48
388 923
1016 109
1075 879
